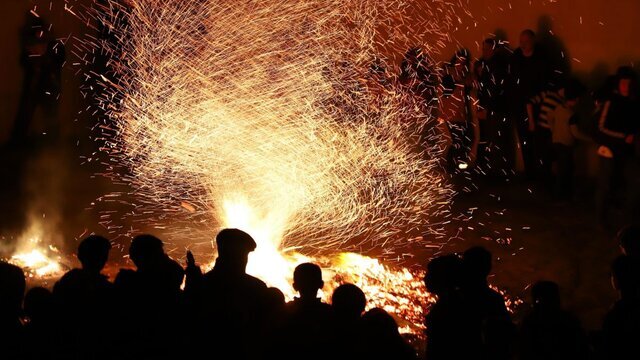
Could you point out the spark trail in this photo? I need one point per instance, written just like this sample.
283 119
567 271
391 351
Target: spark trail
269 110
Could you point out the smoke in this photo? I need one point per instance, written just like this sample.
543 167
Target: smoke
38 244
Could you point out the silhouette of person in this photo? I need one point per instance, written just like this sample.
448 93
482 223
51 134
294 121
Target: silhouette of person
629 240
150 301
528 75
42 58
449 331
621 327
617 132
548 331
419 78
12 286
348 303
381 338
490 73
490 318
458 113
308 328
86 299
273 334
230 305
42 326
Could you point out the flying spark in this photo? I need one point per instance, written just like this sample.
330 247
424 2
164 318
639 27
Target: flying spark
281 118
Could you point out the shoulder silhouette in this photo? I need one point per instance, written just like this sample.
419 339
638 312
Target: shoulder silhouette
488 315
12 286
621 328
309 325
548 331
86 299
381 338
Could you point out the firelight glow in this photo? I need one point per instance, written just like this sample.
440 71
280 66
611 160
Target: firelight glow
283 119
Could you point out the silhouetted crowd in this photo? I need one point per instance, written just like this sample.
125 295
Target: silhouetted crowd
161 310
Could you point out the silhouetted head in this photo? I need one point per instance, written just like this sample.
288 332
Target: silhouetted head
448 86
459 65
348 301
93 253
476 265
307 280
573 90
35 24
378 67
12 286
488 48
625 276
145 251
380 324
626 81
443 274
629 240
414 55
415 64
527 42
234 247
39 304
545 295
462 58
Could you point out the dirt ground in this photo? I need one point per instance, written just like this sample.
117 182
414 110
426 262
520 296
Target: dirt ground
534 238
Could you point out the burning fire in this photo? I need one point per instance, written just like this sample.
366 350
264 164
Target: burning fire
38 260
37 263
281 118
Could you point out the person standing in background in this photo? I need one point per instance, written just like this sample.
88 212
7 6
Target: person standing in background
42 58
490 72
562 122
526 77
617 130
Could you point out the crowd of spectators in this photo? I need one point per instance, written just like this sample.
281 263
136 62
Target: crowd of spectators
160 310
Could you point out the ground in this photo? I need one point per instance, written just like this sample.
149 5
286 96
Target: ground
534 238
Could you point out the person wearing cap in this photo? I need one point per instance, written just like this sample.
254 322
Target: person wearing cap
229 305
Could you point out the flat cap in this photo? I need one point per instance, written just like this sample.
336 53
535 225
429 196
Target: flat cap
234 241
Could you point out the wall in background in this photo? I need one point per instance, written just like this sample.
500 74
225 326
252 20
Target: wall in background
596 35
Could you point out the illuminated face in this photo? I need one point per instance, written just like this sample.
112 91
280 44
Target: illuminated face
624 87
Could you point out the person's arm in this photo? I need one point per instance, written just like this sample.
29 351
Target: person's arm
534 101
193 273
602 124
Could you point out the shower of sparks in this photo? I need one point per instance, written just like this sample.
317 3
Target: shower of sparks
281 118
268 114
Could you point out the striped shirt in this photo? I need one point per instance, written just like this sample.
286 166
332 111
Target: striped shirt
547 101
